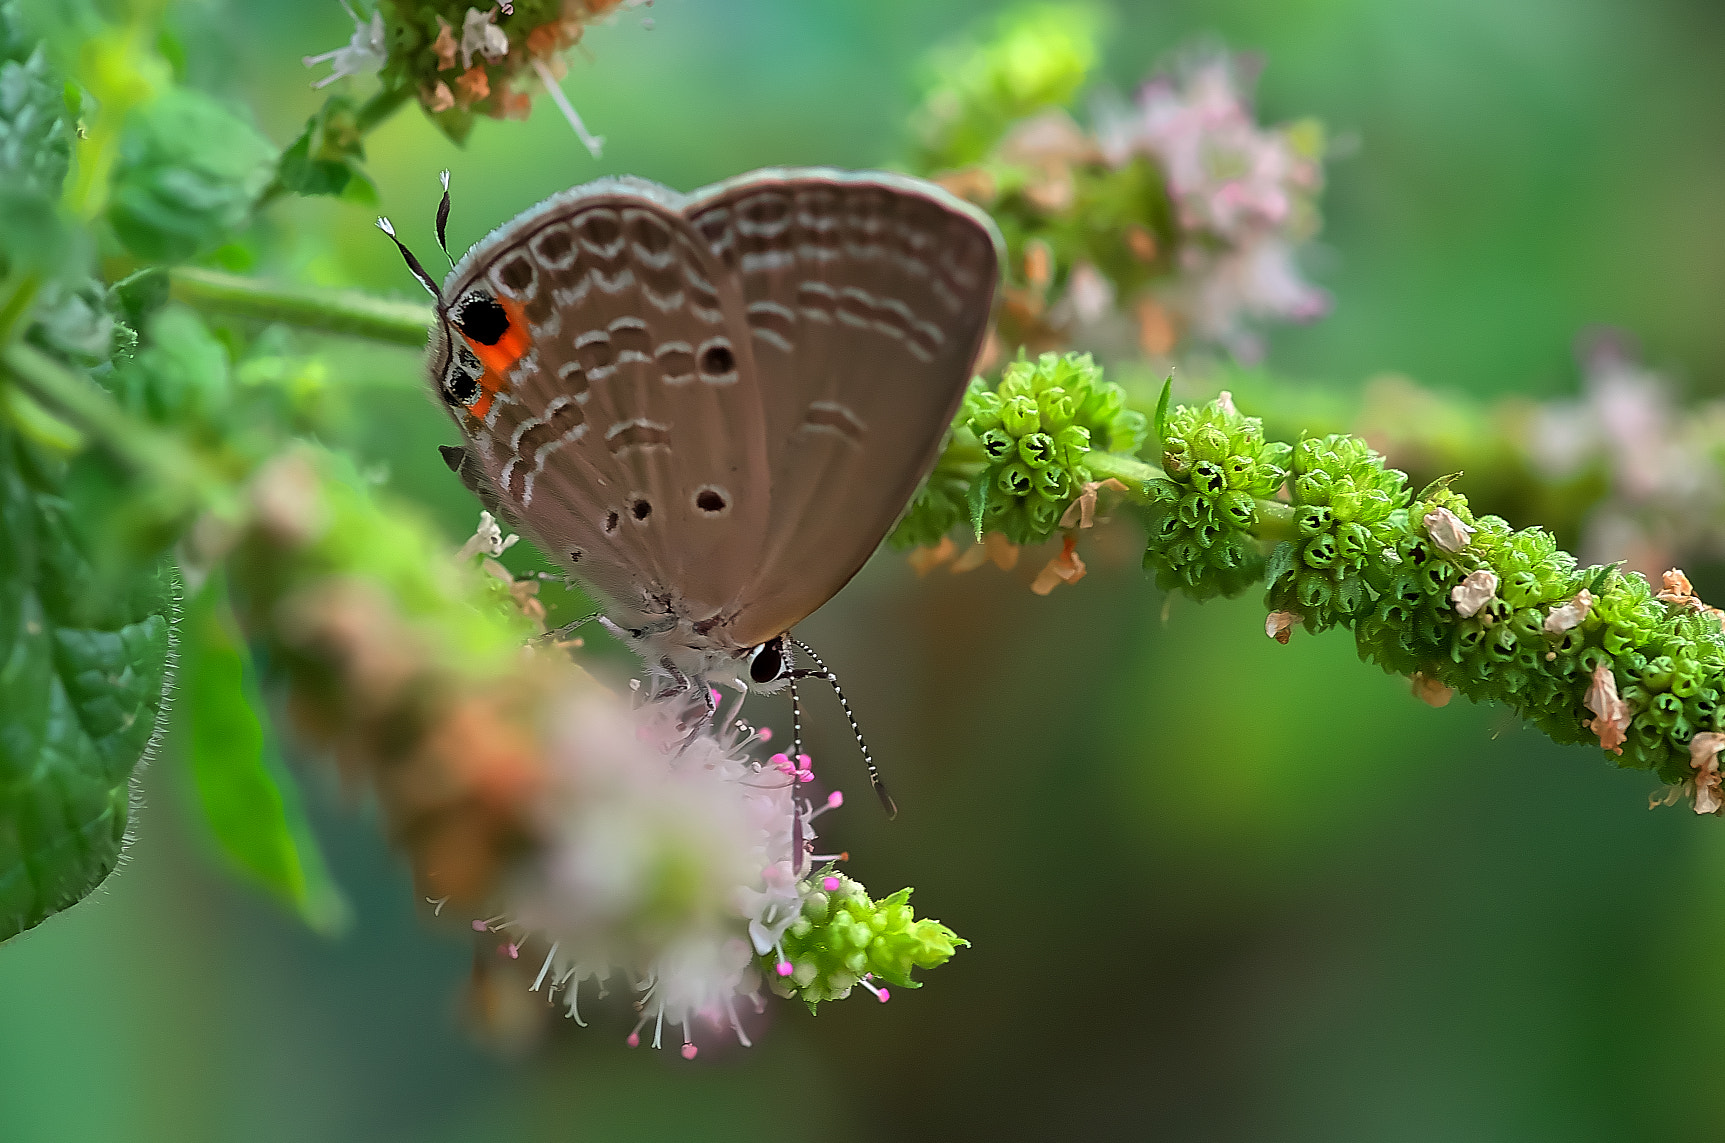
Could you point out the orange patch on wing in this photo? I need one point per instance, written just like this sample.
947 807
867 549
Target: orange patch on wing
498 359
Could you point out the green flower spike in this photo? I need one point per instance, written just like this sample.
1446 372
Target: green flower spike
844 939
1037 432
1204 511
1347 524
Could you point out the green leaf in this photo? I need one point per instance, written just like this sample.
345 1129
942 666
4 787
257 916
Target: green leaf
1162 417
325 159
248 797
188 174
977 497
82 680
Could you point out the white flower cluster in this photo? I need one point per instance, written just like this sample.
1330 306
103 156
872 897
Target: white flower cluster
670 860
1242 196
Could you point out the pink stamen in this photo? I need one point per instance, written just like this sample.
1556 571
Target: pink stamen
479 926
885 995
634 1040
830 884
689 1051
784 968
765 734
781 763
713 693
513 952
835 800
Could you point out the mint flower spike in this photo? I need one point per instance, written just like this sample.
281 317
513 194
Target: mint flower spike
1204 512
844 939
1025 450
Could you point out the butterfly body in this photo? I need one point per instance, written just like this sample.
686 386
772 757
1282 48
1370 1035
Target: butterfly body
711 408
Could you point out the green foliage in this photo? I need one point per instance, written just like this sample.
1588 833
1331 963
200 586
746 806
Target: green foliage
189 171
1038 57
326 158
1203 512
82 675
247 796
35 139
844 937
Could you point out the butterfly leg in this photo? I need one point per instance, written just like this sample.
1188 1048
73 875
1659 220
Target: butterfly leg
568 629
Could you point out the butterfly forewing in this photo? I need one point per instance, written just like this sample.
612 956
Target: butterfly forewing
867 299
625 437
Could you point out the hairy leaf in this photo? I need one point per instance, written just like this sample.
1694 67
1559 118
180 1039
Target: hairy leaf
83 671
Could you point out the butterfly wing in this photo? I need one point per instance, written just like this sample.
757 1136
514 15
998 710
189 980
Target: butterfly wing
866 300
616 421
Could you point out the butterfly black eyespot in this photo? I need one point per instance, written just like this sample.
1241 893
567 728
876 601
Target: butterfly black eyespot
710 500
482 318
717 359
768 663
641 509
611 520
460 388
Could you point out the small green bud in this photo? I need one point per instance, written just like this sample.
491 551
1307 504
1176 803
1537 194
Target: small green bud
997 443
1019 416
1015 480
1037 450
1057 408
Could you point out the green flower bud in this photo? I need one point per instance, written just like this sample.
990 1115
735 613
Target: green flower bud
1037 450
1210 444
998 443
1071 444
1015 480
1239 509
1057 408
1209 478
985 407
1019 416
1055 483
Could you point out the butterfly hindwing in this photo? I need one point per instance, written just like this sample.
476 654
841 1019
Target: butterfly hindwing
867 299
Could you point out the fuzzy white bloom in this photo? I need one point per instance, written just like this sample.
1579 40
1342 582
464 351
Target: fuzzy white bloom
366 52
488 538
479 34
671 860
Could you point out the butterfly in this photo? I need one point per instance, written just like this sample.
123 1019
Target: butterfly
711 408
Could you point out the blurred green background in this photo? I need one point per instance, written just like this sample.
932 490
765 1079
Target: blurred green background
1218 889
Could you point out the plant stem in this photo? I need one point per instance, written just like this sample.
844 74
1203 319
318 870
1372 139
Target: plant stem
345 312
184 478
1128 470
1275 521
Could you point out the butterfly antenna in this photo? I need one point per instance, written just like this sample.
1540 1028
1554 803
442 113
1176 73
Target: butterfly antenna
796 719
413 263
443 220
874 777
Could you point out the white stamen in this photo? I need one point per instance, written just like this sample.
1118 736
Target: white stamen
595 144
540 979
